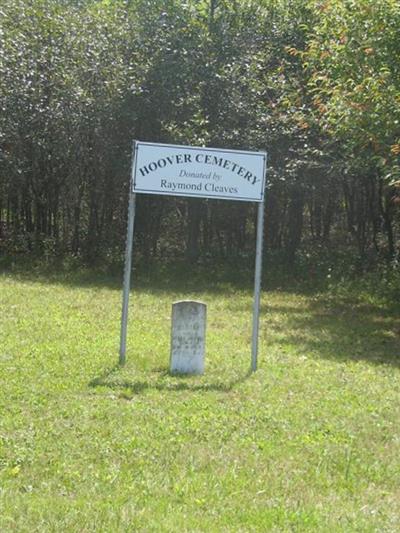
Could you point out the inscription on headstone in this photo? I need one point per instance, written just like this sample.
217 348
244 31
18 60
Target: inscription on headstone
188 337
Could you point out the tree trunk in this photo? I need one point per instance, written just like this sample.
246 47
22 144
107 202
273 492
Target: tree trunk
295 224
194 219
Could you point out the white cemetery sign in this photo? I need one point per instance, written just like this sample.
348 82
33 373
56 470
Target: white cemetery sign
197 172
201 172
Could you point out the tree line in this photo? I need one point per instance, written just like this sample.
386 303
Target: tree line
314 83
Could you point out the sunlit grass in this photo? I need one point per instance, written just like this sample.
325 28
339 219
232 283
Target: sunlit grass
309 442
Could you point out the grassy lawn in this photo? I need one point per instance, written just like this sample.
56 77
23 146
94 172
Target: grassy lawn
311 442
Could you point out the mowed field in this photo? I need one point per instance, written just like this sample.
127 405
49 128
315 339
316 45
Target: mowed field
310 442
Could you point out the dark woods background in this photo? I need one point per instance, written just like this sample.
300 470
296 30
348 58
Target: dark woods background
315 84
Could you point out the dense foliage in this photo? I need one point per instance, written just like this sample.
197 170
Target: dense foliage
316 84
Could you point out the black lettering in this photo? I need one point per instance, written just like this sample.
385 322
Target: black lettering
161 163
163 184
188 158
153 166
198 156
217 161
144 170
248 175
179 159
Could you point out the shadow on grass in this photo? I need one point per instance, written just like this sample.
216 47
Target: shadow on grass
216 278
164 381
323 324
337 331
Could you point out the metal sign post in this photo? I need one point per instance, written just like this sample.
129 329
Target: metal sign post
174 170
257 278
257 286
128 264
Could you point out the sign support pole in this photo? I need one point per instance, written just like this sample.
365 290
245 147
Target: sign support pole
257 285
128 265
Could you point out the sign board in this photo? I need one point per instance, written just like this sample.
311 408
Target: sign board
201 172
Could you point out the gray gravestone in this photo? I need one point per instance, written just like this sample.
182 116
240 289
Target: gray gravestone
188 337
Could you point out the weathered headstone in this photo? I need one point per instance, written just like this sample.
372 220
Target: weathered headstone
188 337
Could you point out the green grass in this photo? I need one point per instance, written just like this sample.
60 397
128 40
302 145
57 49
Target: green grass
311 442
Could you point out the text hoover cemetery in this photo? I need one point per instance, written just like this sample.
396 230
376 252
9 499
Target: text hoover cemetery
205 172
